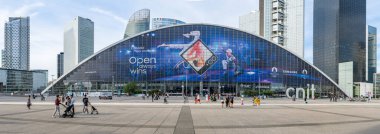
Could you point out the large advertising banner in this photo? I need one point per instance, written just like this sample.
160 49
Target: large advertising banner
211 57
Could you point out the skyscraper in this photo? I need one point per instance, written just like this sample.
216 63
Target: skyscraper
250 22
78 42
371 52
164 22
282 21
340 36
138 22
16 50
60 62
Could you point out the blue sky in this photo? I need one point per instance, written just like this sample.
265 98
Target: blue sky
49 17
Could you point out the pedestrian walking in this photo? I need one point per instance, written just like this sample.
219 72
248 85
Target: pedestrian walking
222 101
165 100
85 104
232 102
195 99
227 101
242 100
72 103
28 103
199 99
257 101
57 108
305 99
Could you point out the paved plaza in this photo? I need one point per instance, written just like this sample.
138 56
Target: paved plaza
158 118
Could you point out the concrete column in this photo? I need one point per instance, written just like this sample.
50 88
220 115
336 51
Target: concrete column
201 88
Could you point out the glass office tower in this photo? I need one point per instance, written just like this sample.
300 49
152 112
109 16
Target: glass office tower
138 22
164 22
78 42
60 63
17 43
340 36
372 52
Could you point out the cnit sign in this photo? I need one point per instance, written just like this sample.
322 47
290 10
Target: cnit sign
304 93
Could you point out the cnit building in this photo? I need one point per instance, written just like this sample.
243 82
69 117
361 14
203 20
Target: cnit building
196 58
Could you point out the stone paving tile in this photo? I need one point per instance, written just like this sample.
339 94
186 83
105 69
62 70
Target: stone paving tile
206 119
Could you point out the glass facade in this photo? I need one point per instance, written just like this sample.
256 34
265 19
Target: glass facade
372 52
164 22
340 36
16 49
138 22
200 58
23 81
78 42
60 63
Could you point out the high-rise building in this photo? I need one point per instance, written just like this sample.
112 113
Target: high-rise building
250 22
78 42
138 22
282 21
340 36
16 49
371 52
60 62
164 22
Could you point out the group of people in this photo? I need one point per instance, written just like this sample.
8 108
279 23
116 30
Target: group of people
69 104
229 101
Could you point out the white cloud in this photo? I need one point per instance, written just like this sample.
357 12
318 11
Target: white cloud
24 10
27 8
110 14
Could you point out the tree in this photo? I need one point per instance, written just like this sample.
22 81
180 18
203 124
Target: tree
130 88
268 92
250 93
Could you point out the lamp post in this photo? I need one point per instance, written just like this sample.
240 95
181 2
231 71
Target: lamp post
186 83
259 86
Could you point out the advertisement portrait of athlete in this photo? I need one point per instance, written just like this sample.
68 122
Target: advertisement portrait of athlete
230 61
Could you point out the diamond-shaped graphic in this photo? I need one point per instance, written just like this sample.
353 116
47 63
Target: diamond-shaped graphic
199 57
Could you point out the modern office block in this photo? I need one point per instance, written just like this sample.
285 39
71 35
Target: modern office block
164 22
40 80
16 43
60 63
78 42
371 53
282 21
23 81
138 22
340 36
250 22
346 78
376 85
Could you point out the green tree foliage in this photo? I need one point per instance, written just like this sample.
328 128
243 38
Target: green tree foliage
250 93
268 92
130 88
